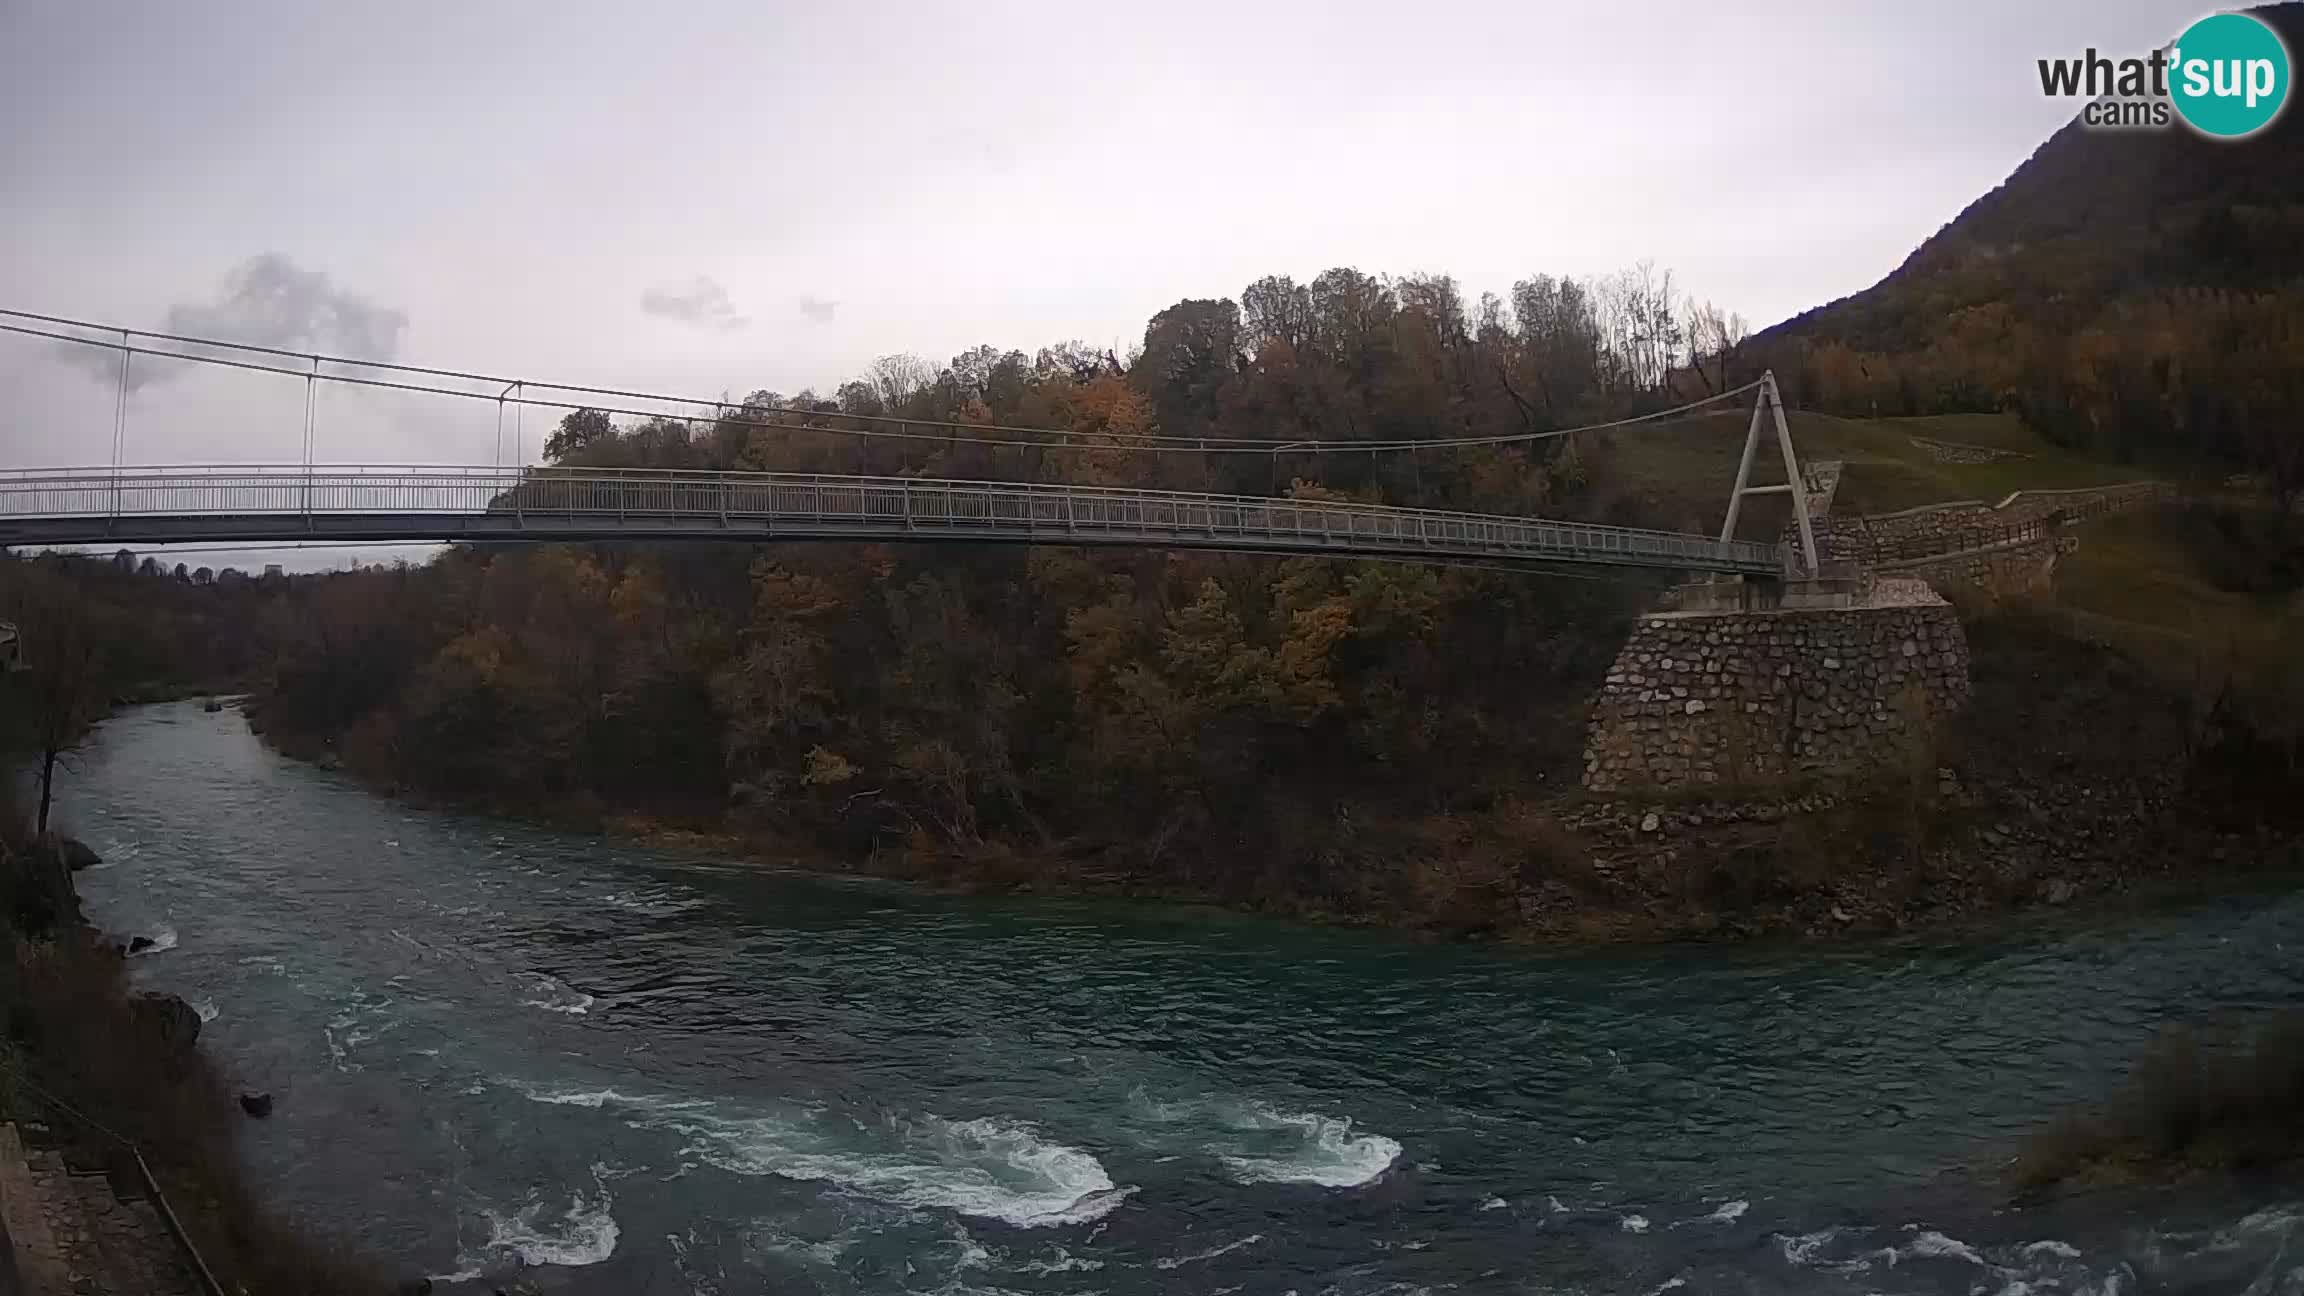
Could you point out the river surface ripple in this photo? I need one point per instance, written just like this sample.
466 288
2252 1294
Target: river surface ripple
497 1046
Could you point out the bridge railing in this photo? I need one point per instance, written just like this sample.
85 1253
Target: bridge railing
2080 506
548 499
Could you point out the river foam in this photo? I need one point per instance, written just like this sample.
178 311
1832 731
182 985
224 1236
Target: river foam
654 904
1195 1257
163 938
363 1019
1260 1143
584 1232
599 1098
1327 1152
990 1167
2034 1268
550 993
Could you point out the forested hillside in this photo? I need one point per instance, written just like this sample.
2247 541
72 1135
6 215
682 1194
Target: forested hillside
91 634
1218 722
2131 293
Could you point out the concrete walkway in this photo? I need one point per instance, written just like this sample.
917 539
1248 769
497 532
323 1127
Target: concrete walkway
68 1232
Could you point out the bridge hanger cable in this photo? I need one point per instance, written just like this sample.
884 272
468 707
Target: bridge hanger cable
746 415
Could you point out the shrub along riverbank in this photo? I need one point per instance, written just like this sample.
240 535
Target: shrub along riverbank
2191 1105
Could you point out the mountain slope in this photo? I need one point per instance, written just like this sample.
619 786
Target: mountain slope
2132 294
2093 215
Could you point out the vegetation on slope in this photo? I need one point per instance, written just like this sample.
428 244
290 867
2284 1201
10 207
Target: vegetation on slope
1678 475
2132 294
2191 1104
2213 581
100 633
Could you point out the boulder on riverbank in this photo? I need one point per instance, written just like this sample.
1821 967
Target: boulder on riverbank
171 1024
76 854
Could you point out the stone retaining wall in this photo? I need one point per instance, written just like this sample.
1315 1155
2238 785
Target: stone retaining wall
1887 538
1698 699
2006 571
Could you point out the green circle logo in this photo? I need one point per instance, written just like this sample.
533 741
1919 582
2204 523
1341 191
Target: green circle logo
2228 75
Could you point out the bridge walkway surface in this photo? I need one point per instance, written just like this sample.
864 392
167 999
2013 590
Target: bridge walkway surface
178 504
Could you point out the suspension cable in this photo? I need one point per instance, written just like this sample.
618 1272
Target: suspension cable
747 415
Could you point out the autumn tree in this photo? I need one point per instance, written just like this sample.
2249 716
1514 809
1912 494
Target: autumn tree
1715 337
578 429
898 380
62 688
1190 353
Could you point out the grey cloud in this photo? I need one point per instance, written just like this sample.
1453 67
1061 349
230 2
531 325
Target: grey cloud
700 301
817 310
267 300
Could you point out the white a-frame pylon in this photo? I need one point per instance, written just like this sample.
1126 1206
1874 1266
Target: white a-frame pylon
1771 402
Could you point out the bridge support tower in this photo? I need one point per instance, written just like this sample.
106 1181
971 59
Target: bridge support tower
1747 684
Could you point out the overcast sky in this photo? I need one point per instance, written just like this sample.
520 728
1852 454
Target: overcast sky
724 195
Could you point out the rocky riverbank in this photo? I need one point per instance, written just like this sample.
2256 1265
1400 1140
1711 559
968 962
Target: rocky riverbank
2068 777
99 1072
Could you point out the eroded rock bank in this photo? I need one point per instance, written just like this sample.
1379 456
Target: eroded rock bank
2066 775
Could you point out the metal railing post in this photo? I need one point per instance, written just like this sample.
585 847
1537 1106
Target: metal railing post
311 395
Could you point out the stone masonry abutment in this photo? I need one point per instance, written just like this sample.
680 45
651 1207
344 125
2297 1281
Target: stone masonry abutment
1742 694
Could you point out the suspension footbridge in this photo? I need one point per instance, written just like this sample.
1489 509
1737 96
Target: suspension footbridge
388 503
308 502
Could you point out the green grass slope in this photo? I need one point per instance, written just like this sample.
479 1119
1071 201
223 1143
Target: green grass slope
1678 474
2136 583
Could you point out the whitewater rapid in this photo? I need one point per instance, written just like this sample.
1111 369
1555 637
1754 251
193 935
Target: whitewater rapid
998 1168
